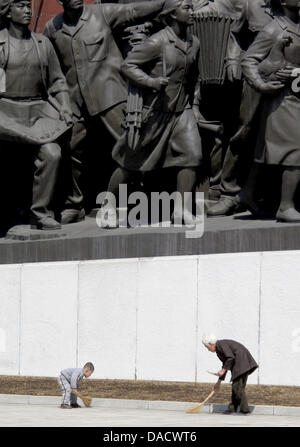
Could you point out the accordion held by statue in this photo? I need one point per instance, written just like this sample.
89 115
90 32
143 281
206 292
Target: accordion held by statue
213 31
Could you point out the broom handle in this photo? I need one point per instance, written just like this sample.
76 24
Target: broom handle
208 397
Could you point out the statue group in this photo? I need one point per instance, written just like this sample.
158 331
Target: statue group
199 90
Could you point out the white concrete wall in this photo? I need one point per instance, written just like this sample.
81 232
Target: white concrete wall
144 318
10 302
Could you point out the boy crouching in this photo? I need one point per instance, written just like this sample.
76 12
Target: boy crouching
68 380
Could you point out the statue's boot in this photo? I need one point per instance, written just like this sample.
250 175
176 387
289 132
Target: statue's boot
46 223
254 207
72 215
290 215
226 206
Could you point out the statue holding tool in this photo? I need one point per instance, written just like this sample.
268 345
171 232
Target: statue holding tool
165 66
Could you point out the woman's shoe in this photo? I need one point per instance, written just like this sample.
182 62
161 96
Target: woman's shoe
229 412
75 406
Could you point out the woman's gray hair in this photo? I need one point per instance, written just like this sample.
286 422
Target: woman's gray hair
209 339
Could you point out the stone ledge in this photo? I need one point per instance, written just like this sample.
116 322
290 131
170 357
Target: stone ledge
26 233
154 391
85 241
147 405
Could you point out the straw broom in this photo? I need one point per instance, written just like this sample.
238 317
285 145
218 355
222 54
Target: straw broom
85 399
197 408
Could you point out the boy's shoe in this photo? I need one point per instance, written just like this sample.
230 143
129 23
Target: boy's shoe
75 406
65 406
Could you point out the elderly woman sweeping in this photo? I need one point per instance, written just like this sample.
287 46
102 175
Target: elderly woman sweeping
236 358
165 67
34 103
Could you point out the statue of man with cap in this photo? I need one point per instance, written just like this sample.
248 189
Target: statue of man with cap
90 58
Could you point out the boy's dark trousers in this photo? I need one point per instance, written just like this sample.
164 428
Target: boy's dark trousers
238 396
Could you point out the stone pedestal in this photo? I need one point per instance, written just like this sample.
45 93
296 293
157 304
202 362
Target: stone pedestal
26 233
85 240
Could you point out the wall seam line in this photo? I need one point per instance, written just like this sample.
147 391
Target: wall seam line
136 315
259 314
20 318
197 322
77 322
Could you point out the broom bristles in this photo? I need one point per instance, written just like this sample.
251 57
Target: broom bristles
195 409
198 407
85 399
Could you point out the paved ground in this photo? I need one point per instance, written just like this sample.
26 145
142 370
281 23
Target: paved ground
17 415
